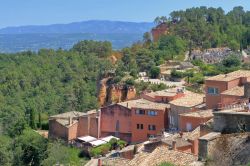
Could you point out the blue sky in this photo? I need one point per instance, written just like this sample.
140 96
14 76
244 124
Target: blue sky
41 12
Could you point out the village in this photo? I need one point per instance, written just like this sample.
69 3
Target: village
173 91
176 125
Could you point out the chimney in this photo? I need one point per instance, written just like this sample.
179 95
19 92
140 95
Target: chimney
70 121
174 145
247 90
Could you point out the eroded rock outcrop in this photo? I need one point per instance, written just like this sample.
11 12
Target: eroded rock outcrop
113 93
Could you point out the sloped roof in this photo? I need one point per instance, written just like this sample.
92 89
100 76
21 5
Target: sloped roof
230 76
144 104
235 91
72 114
166 92
189 100
199 114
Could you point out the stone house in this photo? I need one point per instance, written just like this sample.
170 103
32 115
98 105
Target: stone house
191 120
164 96
70 125
191 102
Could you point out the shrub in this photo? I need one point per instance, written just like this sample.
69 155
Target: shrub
94 152
113 143
157 87
154 72
130 82
121 143
45 126
100 150
177 74
84 154
166 164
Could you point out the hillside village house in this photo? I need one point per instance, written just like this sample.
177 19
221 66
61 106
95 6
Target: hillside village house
225 89
192 120
70 125
134 120
164 96
191 102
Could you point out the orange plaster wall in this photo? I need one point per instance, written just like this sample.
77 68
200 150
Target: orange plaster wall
212 101
110 115
195 121
139 135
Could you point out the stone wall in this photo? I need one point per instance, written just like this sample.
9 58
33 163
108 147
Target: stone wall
56 130
231 122
207 145
93 128
225 149
83 126
88 125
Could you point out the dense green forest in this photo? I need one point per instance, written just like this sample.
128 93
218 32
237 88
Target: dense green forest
211 27
36 85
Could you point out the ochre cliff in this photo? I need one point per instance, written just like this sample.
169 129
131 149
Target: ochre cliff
109 94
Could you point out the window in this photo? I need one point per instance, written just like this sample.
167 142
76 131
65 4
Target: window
139 126
212 90
140 112
152 113
151 127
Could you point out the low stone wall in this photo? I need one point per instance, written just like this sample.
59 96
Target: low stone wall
128 152
231 122
206 145
151 146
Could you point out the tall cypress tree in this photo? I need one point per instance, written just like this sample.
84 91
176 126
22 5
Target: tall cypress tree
32 119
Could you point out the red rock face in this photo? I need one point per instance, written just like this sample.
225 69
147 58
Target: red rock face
102 93
114 93
160 30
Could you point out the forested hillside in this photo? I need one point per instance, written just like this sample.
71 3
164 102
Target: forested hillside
211 27
50 82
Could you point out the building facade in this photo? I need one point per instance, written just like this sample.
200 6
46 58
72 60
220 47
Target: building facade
225 89
134 121
192 120
191 102
70 125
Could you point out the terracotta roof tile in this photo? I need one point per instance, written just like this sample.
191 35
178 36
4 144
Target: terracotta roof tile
230 76
142 103
202 114
236 91
189 100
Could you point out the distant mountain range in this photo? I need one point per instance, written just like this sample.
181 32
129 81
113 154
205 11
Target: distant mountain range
34 37
93 26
